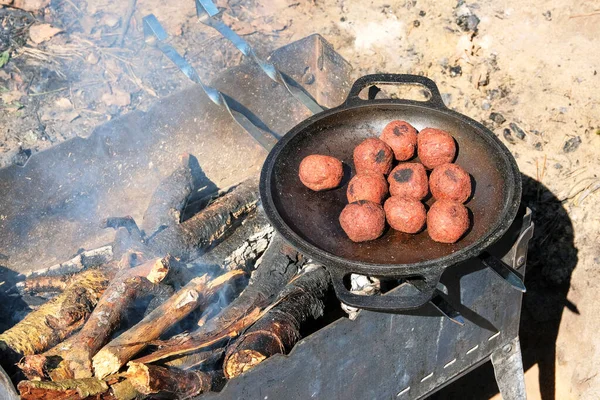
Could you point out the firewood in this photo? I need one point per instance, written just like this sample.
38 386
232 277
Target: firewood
190 238
55 320
152 379
198 292
279 329
76 352
86 259
195 360
169 199
278 265
43 284
72 389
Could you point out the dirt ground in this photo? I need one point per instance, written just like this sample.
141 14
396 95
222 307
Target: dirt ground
528 70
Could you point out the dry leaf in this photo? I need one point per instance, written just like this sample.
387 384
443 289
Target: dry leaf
42 32
118 98
240 27
56 115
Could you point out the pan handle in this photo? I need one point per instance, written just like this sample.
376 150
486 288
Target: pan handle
435 100
403 299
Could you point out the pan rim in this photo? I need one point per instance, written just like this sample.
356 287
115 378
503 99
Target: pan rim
508 213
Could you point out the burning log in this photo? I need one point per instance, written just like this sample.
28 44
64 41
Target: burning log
169 199
205 229
195 360
279 329
278 265
198 292
55 320
86 259
73 389
152 379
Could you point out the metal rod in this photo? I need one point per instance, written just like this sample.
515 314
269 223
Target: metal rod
155 34
440 303
206 11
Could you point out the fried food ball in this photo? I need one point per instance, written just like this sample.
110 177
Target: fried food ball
363 220
373 155
409 180
405 215
402 138
447 221
435 147
367 185
450 182
318 172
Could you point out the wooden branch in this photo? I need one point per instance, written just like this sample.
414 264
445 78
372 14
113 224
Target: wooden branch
190 238
57 319
278 265
86 259
73 389
198 292
43 284
279 329
169 199
152 379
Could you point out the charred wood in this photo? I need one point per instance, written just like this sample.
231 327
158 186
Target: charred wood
198 292
152 379
278 265
192 237
279 329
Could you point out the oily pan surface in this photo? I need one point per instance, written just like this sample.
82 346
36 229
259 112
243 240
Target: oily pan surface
314 215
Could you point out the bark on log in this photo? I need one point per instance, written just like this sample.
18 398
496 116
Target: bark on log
57 319
278 265
279 329
152 379
194 360
190 238
73 389
43 284
198 292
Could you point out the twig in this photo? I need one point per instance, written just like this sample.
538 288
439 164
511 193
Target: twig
128 15
597 12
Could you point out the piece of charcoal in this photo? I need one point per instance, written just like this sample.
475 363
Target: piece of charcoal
497 118
518 131
508 136
572 144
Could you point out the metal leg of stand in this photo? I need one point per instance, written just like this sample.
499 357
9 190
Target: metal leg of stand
508 368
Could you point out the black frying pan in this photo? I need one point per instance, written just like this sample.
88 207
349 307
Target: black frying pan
309 220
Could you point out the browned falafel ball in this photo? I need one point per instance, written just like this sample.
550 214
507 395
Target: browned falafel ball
318 172
447 221
405 215
402 138
367 185
409 180
435 147
373 154
450 182
363 220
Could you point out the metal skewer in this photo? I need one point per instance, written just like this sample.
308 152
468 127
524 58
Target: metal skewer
155 34
206 11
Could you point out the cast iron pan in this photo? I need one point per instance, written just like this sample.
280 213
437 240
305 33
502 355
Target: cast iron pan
309 220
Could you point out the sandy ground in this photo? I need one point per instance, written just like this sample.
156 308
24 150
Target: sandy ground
528 70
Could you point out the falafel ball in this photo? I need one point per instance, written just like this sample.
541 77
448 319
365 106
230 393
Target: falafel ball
367 185
402 138
363 220
373 154
435 147
405 215
450 182
318 172
447 221
409 180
